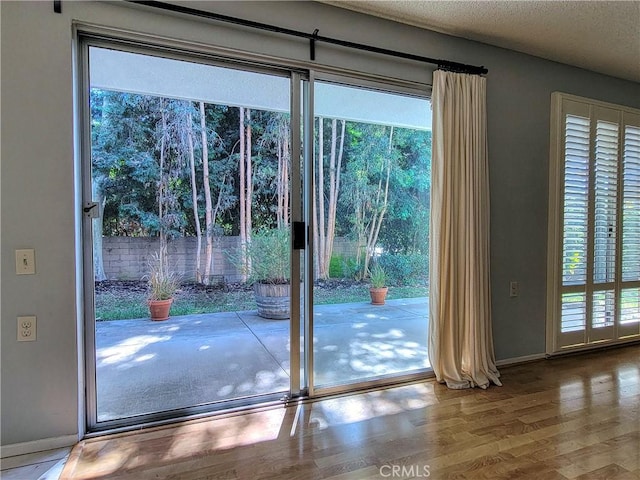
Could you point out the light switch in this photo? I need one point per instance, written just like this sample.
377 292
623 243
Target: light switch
25 262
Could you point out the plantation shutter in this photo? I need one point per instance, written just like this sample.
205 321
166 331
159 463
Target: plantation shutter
594 234
630 292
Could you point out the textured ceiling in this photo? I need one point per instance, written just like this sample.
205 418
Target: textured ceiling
603 36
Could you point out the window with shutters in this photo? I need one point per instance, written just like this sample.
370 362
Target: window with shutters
594 224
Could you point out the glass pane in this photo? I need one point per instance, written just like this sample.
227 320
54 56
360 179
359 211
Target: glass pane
191 169
603 309
371 213
630 306
576 197
631 205
574 312
606 192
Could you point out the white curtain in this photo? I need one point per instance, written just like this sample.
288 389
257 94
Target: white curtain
460 339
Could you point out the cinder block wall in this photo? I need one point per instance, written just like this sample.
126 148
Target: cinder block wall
126 258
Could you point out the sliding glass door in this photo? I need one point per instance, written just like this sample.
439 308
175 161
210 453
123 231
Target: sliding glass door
260 207
370 238
188 171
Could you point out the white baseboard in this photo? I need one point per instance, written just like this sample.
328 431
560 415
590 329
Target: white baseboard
515 360
24 448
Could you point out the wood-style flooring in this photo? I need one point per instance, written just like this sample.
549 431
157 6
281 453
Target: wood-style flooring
574 417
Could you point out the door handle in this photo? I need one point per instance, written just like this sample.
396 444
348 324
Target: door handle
299 238
91 210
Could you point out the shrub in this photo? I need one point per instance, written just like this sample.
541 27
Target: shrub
163 282
335 266
268 255
405 269
378 277
351 268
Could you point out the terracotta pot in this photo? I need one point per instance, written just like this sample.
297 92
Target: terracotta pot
272 300
378 295
159 309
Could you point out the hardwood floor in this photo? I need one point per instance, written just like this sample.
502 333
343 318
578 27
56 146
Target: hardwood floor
574 417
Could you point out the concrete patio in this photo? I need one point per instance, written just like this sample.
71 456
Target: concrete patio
145 367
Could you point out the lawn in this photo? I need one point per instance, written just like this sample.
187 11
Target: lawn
119 300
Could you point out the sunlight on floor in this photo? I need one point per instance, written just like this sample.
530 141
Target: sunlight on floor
358 408
238 431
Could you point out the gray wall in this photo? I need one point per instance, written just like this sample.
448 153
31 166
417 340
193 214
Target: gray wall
40 393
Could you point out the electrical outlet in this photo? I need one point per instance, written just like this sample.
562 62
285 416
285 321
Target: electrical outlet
27 329
514 289
25 262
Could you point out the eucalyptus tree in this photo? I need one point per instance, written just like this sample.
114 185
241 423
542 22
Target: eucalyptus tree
123 148
406 228
371 159
327 176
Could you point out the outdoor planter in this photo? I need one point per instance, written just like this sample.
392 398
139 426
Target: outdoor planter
378 295
272 300
159 309
378 289
163 284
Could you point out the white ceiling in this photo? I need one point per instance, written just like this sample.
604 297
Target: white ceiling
603 36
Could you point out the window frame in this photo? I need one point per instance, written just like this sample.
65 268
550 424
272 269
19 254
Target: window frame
563 105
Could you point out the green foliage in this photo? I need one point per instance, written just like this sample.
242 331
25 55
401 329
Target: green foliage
351 269
378 276
368 151
336 266
129 305
267 256
405 269
345 267
163 282
128 131
406 228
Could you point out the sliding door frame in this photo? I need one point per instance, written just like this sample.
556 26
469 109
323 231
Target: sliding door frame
85 42
367 83
302 76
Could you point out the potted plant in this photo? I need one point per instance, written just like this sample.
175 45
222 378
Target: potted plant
267 264
163 284
378 289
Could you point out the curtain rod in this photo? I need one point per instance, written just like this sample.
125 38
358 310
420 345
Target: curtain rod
312 37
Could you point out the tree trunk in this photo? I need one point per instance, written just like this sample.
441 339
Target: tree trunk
381 206
326 217
284 157
335 165
279 183
163 240
194 197
207 196
219 200
286 162
361 244
241 174
96 192
249 173
323 273
314 221
98 263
